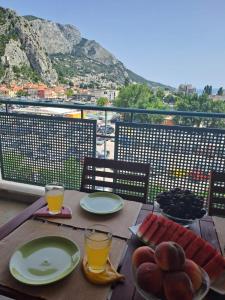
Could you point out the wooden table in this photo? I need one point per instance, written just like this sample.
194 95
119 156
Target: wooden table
126 290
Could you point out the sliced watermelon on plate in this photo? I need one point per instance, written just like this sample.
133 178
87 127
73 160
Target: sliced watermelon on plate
215 267
194 247
186 239
172 226
204 254
178 232
153 227
144 226
163 227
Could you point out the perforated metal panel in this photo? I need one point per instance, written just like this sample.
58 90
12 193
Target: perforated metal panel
39 149
178 156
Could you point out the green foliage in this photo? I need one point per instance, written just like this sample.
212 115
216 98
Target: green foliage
102 101
2 16
16 166
207 90
200 104
27 73
72 170
127 81
69 174
140 96
69 93
160 93
2 70
21 93
3 41
220 91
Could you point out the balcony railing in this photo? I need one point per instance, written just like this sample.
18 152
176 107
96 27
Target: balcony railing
37 149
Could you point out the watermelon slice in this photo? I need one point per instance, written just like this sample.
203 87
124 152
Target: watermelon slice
163 227
172 227
154 226
215 267
194 247
144 226
205 254
186 239
178 232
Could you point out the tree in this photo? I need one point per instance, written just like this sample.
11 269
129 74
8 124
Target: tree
207 90
199 104
69 93
220 91
102 101
22 93
160 93
71 84
140 96
126 81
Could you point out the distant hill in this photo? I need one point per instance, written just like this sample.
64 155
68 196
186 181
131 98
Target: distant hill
35 49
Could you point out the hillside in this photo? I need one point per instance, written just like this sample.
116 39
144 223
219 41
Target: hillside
35 49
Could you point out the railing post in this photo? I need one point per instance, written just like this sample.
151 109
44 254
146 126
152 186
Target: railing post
132 117
105 134
6 107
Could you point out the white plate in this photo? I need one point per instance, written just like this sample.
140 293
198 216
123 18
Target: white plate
102 203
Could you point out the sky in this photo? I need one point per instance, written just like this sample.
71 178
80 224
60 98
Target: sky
167 41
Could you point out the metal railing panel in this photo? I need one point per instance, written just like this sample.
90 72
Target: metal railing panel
38 149
179 156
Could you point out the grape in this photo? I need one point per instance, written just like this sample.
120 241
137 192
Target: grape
181 204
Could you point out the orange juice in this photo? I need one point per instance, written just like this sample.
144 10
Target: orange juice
97 247
54 199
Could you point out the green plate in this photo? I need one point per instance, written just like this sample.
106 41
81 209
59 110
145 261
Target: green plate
102 203
44 260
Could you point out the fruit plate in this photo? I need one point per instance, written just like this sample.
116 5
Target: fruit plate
44 260
184 222
200 294
219 285
102 203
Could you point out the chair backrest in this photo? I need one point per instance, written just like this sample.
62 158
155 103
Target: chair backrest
126 179
216 199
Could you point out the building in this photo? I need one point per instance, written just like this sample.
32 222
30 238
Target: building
82 97
109 94
187 89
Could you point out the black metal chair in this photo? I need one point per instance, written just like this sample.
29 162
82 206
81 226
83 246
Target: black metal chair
216 199
126 179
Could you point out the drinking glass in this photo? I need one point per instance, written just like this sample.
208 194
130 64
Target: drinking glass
54 196
98 239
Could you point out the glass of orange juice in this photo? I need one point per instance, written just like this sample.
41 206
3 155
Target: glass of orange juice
54 196
98 239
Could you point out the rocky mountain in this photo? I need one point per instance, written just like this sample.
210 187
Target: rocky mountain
22 54
36 49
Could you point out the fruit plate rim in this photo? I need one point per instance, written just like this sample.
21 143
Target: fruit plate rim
181 221
217 286
202 291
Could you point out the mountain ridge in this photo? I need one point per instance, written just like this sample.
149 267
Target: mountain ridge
50 51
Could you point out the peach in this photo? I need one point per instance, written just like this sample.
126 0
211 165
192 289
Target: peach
141 255
150 278
177 286
169 256
194 273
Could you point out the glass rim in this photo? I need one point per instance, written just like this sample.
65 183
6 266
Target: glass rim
54 184
108 233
